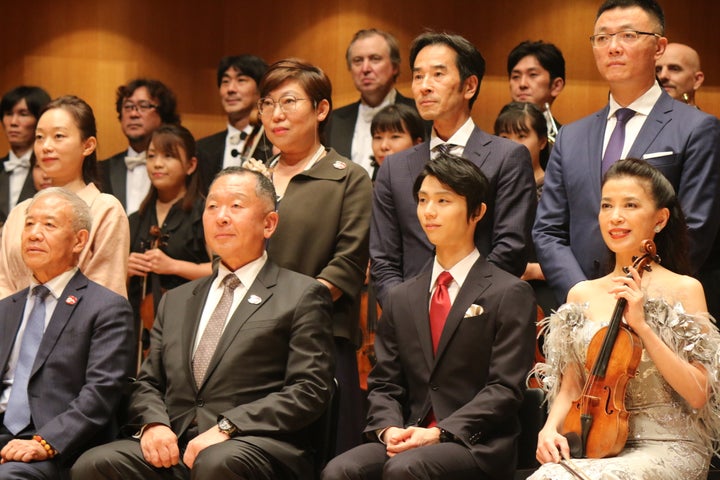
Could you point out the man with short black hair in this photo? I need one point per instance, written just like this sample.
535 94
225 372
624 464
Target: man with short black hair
238 77
20 109
447 71
142 106
640 121
537 75
453 349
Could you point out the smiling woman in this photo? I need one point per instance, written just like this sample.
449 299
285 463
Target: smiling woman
65 143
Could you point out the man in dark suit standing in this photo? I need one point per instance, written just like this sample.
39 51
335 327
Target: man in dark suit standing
142 106
238 77
240 362
640 121
453 349
447 71
373 58
20 109
65 347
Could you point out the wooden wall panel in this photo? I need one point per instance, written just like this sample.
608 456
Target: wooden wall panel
89 47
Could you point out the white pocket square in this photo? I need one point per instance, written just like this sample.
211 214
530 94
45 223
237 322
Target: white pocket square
474 311
648 156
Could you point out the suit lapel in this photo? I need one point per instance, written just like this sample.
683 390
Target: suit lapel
261 288
476 148
346 127
659 116
118 177
477 281
60 317
418 300
194 308
595 149
9 326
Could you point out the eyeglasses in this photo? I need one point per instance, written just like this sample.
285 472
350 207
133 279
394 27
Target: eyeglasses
287 103
626 37
142 106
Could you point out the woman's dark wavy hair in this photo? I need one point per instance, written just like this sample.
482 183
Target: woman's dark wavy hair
169 139
672 241
84 118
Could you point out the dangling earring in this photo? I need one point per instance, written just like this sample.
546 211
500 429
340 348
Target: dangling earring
657 228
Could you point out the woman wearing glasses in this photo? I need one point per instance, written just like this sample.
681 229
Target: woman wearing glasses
324 202
65 142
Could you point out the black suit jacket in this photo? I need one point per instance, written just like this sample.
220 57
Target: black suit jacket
81 367
399 249
113 175
474 384
28 189
211 152
341 126
271 373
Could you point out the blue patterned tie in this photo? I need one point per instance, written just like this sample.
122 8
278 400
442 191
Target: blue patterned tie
615 145
17 415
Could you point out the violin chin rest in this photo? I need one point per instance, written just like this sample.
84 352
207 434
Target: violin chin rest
575 444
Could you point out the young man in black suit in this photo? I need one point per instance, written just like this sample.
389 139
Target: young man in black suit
453 348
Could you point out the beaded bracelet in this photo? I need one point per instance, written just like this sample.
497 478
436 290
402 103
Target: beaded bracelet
51 452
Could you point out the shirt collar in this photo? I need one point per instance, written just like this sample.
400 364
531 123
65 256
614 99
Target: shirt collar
459 271
460 137
246 273
642 105
56 285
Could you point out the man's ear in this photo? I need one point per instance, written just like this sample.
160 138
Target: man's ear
556 86
479 213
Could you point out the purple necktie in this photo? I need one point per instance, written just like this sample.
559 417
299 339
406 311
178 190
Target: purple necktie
617 139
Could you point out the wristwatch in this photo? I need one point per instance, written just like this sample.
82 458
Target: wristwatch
227 427
446 437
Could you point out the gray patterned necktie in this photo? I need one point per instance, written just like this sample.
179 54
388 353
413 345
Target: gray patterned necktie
17 415
214 329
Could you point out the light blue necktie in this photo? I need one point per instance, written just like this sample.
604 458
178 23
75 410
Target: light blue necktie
17 415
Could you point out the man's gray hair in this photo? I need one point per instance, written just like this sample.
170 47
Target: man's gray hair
81 216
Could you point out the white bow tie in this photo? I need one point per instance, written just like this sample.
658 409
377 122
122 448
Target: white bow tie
11 164
132 162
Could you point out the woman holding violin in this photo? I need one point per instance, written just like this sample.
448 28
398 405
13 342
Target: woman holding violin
672 397
167 243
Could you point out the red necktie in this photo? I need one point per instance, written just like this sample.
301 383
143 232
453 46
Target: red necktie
439 307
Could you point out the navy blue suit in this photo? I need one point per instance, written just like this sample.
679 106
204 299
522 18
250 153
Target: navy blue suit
679 140
80 369
399 249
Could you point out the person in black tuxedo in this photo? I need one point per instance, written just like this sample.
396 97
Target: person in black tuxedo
142 106
20 109
373 58
238 77
453 348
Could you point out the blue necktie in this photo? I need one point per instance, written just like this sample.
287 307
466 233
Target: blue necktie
614 148
17 415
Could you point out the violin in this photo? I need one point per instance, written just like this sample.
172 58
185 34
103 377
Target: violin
369 314
151 299
597 424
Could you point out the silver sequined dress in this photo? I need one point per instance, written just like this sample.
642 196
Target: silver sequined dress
667 439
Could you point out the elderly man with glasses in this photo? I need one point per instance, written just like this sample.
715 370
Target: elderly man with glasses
142 106
642 121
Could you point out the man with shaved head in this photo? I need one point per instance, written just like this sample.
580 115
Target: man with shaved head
679 72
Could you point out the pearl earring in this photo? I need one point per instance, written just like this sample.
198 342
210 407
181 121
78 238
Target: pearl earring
657 228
